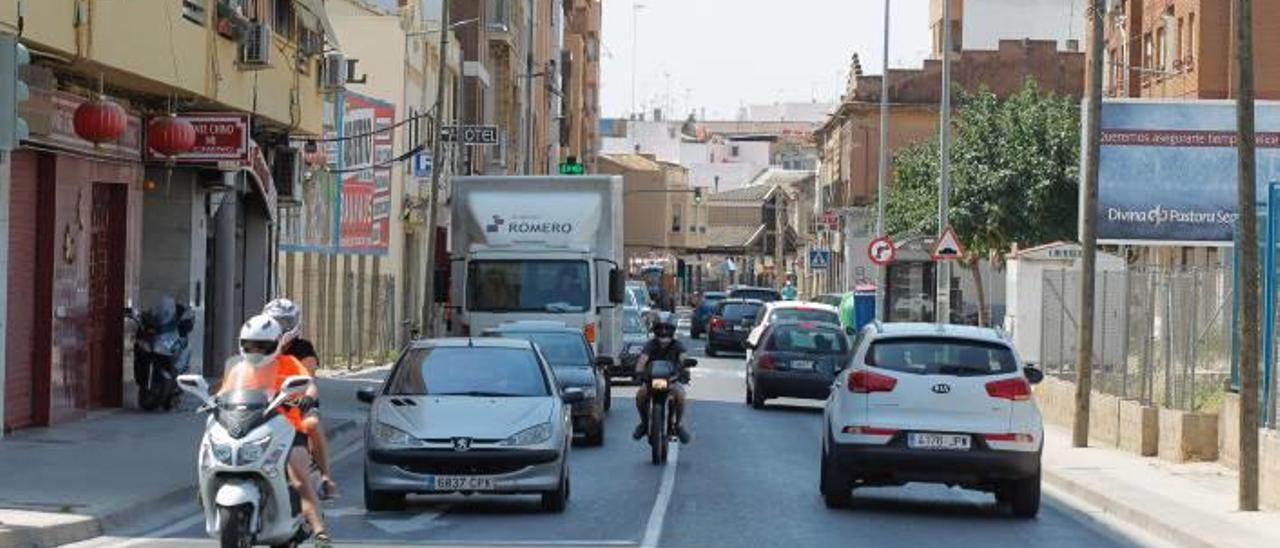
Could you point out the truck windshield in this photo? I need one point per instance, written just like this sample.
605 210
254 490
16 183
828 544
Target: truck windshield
528 286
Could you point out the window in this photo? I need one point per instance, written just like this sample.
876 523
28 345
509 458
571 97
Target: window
804 315
459 371
194 10
527 286
1181 45
941 356
282 18
791 338
499 15
1148 54
631 322
734 151
736 312
675 221
1158 61
560 349
1191 41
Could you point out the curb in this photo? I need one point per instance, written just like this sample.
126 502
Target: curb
1135 515
342 432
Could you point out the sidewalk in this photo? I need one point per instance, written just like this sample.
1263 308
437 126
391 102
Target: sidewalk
1189 504
71 482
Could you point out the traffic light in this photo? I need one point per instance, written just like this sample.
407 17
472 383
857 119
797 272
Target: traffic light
697 196
570 166
13 91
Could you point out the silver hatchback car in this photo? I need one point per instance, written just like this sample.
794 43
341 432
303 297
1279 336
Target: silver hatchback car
468 416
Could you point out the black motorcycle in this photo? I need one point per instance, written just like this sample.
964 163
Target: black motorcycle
161 352
662 416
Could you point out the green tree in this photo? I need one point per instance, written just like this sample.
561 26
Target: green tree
1014 176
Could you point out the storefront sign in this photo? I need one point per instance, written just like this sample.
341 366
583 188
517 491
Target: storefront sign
220 137
51 119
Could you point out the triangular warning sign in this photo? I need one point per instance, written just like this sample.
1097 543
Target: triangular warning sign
948 247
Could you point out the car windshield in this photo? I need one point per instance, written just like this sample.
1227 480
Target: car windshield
804 315
631 322
528 286
941 356
469 371
639 296
766 295
737 311
808 339
561 349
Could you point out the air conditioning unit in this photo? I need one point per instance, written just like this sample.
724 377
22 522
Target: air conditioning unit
255 48
334 75
286 172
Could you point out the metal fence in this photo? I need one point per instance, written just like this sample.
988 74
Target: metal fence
1161 336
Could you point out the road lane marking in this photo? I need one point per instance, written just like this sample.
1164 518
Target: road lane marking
653 530
402 526
187 523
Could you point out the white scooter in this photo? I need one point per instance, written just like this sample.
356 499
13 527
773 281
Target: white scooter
244 488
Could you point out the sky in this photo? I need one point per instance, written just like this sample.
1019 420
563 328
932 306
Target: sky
720 55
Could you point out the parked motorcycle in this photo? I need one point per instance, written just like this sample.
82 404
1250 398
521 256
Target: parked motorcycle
161 352
244 489
662 416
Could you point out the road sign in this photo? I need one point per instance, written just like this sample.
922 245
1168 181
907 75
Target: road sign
819 259
422 164
830 221
882 251
471 135
948 247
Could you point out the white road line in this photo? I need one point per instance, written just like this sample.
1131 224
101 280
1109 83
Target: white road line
192 521
653 530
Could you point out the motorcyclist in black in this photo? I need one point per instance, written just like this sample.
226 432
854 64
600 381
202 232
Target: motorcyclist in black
662 347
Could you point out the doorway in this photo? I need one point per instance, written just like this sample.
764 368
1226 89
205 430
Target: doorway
109 219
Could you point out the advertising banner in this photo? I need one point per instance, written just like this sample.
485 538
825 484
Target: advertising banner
347 208
1167 170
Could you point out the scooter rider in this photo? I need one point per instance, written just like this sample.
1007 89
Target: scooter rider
662 347
260 342
289 315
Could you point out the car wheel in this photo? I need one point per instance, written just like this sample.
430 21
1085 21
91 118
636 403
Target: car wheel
381 501
595 436
555 501
835 485
608 396
1025 496
711 350
749 394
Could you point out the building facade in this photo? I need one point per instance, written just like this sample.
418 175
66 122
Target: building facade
580 63
982 24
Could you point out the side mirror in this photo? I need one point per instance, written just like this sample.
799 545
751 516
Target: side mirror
291 387
689 363
367 394
573 395
617 286
604 361
850 331
194 385
1034 375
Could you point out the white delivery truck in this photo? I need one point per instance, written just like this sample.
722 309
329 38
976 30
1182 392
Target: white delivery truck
538 248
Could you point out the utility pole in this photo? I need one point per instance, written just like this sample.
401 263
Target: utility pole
881 196
1089 227
429 280
943 309
1247 247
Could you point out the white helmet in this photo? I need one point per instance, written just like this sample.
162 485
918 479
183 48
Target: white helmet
289 315
260 340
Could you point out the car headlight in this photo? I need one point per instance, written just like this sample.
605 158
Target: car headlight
390 435
589 392
252 452
530 436
221 452
633 348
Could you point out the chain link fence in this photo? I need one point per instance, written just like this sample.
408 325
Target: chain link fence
1161 336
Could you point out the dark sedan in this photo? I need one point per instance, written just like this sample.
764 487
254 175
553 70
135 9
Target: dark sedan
730 323
634 337
796 360
702 314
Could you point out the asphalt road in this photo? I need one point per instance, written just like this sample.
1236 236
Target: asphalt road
749 478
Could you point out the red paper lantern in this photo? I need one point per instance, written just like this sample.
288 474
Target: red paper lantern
170 136
100 121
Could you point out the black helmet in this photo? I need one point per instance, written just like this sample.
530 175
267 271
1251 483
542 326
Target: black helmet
664 324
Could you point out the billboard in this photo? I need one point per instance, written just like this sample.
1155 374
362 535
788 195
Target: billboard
1167 170
347 207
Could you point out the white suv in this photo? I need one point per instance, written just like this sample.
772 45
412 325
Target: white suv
937 404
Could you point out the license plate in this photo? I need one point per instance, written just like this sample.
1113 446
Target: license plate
943 442
801 364
739 328
460 483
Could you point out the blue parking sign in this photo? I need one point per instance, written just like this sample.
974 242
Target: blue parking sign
422 164
819 259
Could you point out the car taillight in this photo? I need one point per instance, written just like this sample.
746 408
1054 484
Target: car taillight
866 382
1016 438
767 361
869 431
716 323
1015 389
589 331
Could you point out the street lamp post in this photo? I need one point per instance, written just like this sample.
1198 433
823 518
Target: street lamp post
881 197
942 312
